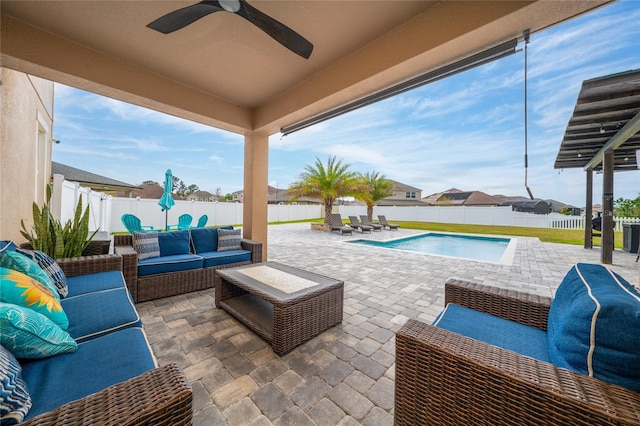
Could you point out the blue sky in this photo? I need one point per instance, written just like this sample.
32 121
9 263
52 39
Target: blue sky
466 131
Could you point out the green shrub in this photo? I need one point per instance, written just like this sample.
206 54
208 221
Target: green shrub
48 235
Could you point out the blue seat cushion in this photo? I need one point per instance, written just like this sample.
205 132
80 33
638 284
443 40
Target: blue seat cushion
90 283
97 364
174 242
164 264
205 240
495 331
594 325
217 258
94 314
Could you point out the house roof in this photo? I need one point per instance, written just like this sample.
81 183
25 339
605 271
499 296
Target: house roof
525 203
203 194
606 118
150 190
91 180
402 187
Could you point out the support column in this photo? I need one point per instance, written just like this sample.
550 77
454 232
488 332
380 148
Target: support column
607 209
255 207
588 212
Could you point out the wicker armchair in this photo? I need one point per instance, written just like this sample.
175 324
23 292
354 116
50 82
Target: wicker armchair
162 396
443 378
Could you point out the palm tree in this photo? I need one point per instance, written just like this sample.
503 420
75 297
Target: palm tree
377 188
327 183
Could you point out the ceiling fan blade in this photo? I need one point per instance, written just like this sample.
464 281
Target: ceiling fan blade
277 30
182 17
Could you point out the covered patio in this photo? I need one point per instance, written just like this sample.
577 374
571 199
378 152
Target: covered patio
345 375
223 71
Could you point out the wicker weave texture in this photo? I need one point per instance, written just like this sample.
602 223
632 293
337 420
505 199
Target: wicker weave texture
284 322
443 378
75 266
157 286
160 397
524 308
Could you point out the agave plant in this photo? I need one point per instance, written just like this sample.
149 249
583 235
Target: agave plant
48 235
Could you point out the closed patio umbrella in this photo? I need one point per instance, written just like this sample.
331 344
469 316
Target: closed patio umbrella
166 201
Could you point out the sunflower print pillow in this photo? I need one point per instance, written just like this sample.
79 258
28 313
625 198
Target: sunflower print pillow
22 290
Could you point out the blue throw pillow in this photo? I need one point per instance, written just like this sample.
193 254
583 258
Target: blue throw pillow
146 244
20 289
21 263
205 240
28 334
7 245
174 242
229 239
15 400
51 268
594 326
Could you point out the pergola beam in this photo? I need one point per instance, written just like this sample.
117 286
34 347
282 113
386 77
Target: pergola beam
630 129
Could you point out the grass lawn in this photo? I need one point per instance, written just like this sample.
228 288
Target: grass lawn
562 236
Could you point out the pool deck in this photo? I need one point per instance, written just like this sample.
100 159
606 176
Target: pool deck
345 376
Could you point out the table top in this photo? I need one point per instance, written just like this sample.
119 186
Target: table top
277 282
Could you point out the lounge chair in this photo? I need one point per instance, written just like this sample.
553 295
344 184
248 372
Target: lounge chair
383 221
132 223
202 221
356 224
337 225
184 222
365 221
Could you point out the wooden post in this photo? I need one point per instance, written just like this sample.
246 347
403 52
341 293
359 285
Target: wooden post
588 212
606 256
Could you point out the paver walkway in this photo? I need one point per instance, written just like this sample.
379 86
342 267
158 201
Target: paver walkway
345 376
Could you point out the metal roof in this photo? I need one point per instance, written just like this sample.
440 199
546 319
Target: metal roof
92 180
606 117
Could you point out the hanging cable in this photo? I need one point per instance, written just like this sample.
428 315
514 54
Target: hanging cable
526 155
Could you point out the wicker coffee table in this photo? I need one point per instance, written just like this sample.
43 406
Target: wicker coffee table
286 306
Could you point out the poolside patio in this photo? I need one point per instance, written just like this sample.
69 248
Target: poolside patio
345 375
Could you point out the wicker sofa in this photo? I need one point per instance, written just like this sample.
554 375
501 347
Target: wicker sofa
170 276
445 378
112 378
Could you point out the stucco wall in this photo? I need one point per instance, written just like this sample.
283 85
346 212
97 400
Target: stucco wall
26 108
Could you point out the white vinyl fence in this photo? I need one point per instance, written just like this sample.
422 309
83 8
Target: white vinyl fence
475 215
150 213
106 211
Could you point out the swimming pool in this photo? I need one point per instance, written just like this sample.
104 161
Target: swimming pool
487 249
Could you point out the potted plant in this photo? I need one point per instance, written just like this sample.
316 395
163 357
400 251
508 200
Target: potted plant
48 235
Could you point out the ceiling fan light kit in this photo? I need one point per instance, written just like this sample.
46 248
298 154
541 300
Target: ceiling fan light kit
185 16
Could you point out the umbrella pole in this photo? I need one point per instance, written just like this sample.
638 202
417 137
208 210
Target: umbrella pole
166 220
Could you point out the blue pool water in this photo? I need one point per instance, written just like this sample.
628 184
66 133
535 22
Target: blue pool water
488 249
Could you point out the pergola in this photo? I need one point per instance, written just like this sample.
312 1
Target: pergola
602 136
225 72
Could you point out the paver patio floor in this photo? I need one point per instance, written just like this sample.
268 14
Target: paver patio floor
345 376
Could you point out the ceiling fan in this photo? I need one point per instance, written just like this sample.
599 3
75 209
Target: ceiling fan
187 15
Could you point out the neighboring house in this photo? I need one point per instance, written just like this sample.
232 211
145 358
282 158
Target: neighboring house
91 180
536 206
463 198
558 206
237 196
26 114
403 195
151 190
203 196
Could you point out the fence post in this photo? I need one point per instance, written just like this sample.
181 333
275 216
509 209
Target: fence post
56 199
